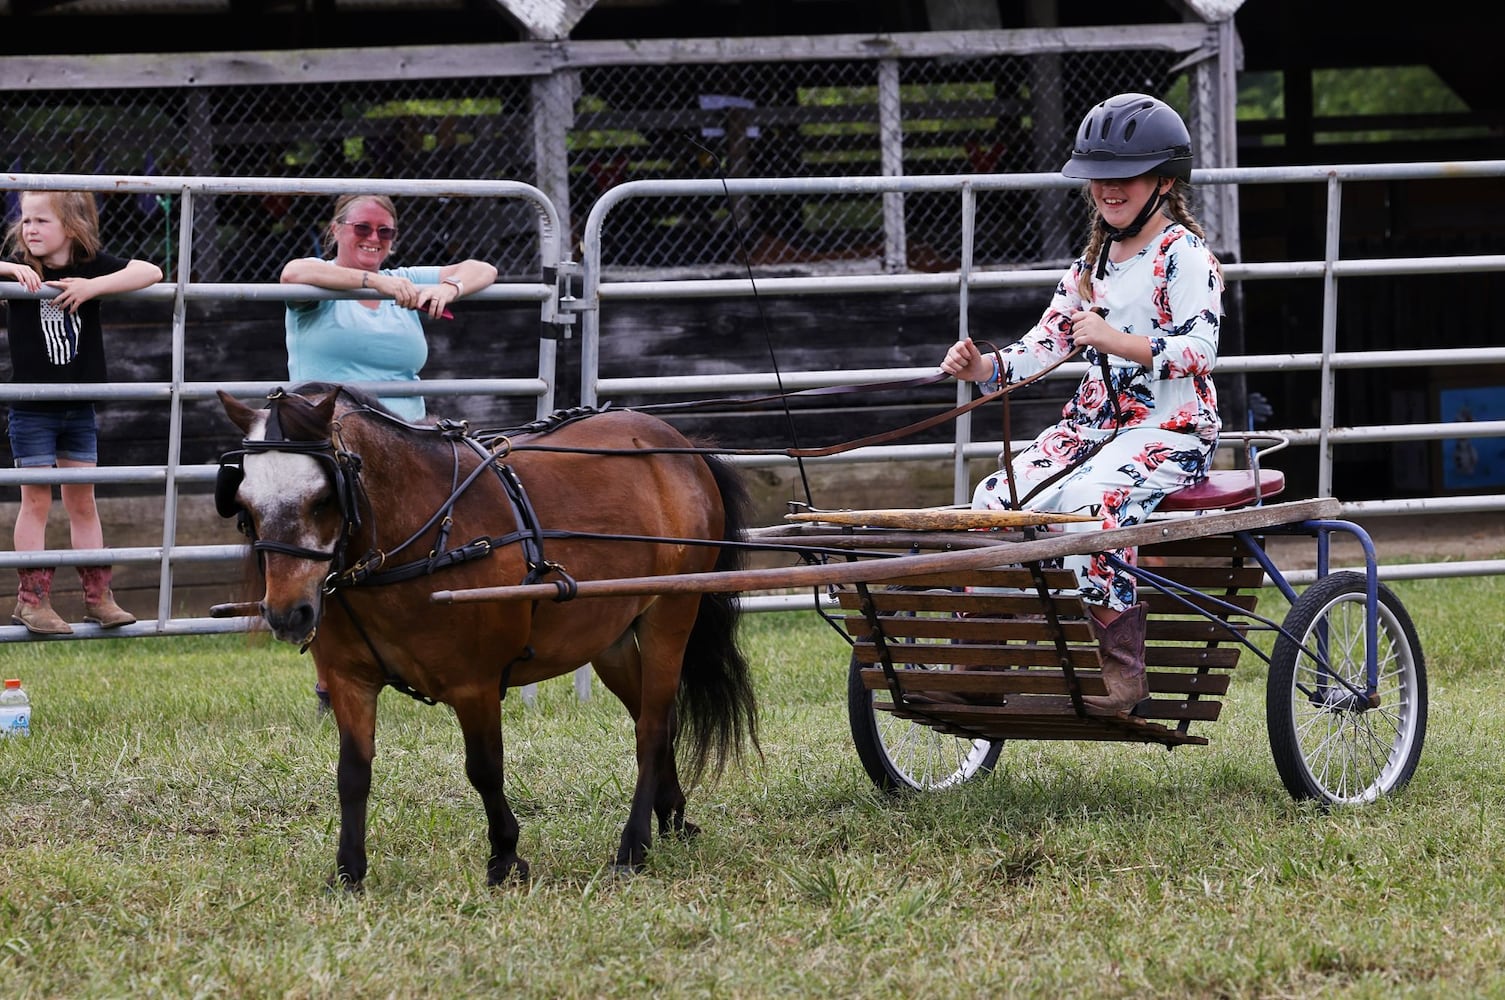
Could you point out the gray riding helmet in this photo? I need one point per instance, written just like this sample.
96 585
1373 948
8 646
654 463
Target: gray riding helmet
1129 135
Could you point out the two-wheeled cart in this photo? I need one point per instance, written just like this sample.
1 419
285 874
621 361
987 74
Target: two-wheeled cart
951 658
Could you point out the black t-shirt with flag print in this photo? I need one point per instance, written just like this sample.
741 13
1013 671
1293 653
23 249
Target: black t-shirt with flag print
48 344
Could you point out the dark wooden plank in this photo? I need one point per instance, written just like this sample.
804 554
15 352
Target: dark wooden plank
1214 658
987 631
1213 578
946 627
1161 604
1013 655
986 723
1162 629
1209 547
947 655
1028 704
1039 680
1002 683
1181 682
1006 578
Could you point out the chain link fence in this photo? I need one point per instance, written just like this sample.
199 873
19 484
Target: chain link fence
828 119
414 129
948 114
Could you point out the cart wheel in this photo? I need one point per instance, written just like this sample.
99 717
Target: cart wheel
900 755
1329 741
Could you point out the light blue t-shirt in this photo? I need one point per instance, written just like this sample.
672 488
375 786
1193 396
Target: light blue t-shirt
341 340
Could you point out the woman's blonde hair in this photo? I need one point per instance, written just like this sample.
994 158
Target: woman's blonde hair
342 209
1177 205
79 216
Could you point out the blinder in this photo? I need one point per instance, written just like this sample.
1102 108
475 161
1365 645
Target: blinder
227 483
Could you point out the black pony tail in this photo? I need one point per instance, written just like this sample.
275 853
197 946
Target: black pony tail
717 710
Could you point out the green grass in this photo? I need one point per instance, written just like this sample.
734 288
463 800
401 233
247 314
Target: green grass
171 820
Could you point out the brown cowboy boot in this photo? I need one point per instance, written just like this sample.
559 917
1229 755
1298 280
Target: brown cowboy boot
34 604
1121 649
99 601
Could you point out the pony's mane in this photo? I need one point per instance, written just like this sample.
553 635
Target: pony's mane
298 412
358 399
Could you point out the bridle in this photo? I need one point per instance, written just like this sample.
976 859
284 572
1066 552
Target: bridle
340 465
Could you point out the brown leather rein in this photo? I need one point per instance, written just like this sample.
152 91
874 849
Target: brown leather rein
883 437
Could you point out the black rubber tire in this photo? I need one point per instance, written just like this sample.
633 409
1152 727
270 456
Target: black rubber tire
903 756
1327 744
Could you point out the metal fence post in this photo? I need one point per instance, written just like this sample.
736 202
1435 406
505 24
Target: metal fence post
891 144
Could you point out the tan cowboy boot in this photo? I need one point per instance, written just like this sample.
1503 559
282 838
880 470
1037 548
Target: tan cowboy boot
34 604
1121 649
99 601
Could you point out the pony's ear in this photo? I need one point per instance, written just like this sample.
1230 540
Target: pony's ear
325 409
239 413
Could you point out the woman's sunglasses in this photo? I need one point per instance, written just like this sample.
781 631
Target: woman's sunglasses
365 229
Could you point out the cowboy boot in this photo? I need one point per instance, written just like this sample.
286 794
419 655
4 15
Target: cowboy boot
34 604
1121 649
99 602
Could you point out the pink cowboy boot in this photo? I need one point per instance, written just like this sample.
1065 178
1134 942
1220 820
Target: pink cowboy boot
99 601
34 604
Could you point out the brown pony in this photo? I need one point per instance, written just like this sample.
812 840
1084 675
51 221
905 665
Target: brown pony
357 517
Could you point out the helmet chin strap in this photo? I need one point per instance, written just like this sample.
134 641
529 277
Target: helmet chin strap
1151 206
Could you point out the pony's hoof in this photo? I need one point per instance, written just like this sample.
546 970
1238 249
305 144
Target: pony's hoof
688 831
513 873
626 870
339 882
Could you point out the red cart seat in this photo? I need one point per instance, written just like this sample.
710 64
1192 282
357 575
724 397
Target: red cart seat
1224 489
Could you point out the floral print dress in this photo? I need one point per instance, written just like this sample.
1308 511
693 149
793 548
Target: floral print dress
1122 445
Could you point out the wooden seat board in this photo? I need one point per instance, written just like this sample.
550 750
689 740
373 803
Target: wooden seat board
984 723
950 655
1081 657
1212 578
1025 681
948 627
1205 547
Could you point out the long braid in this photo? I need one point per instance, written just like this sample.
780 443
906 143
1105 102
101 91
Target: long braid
1177 205
1097 239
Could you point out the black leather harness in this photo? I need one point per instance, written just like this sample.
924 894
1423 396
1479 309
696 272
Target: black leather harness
376 566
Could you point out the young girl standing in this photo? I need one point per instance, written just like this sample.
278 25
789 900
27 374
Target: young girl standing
56 242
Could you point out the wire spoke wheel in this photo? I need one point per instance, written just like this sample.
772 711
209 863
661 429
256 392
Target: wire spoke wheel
900 755
1335 736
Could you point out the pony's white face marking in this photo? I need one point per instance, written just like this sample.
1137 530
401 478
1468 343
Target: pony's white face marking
284 490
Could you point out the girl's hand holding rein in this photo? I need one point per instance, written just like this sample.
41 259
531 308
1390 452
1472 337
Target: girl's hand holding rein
964 361
1090 329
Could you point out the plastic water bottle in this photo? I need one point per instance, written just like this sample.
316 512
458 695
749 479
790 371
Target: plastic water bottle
15 710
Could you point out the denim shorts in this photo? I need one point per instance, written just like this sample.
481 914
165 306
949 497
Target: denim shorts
38 438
